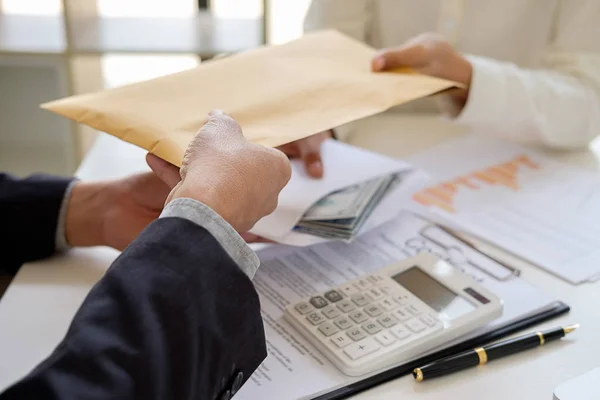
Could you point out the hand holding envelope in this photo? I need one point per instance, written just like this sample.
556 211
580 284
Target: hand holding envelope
278 94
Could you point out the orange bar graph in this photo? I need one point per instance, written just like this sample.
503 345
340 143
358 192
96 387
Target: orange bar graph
504 174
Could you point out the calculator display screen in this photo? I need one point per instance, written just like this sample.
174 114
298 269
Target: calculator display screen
437 296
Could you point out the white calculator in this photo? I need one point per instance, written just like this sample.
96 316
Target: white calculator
393 315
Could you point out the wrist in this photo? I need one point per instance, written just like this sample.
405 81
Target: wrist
463 74
85 214
210 197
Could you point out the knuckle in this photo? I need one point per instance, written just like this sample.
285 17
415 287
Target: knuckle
221 124
228 124
430 36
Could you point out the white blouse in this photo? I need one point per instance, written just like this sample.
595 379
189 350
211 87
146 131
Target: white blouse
536 63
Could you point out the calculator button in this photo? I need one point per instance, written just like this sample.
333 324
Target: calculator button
315 318
318 301
361 349
400 299
388 304
387 289
330 312
374 279
360 299
415 325
358 316
402 314
429 320
304 307
348 289
400 332
376 294
362 284
356 334
346 306
373 310
413 310
371 327
387 320
343 322
328 329
333 296
384 338
341 340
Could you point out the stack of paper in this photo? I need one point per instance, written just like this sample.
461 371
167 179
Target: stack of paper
518 199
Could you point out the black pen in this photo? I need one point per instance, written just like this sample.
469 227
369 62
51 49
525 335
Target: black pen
482 355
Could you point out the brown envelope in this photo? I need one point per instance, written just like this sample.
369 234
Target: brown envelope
278 94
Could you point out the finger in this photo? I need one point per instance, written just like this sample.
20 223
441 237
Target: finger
149 189
167 172
313 164
411 55
310 152
290 149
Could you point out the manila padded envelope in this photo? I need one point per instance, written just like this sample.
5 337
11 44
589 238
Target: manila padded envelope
278 94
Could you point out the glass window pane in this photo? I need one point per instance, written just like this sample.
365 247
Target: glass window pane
120 70
286 19
237 8
147 8
31 7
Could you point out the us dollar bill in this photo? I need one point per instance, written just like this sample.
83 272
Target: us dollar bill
349 202
341 214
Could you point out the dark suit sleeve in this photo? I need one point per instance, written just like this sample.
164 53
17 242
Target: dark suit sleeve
173 318
29 211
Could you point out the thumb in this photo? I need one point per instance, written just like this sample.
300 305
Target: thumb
412 55
310 152
167 172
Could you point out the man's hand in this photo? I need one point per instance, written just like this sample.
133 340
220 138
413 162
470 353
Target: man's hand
309 150
113 213
429 54
239 180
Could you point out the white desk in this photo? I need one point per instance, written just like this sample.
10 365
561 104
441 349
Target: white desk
38 306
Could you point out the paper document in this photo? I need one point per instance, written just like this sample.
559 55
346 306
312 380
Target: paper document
294 369
278 94
518 199
349 168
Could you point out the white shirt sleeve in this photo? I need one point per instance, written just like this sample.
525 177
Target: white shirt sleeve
60 238
557 105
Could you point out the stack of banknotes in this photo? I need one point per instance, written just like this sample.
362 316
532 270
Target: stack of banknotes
341 214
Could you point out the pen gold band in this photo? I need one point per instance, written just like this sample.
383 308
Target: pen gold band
482 355
541 336
418 374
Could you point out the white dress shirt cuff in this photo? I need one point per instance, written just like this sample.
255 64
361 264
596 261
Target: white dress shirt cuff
228 238
488 95
61 243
